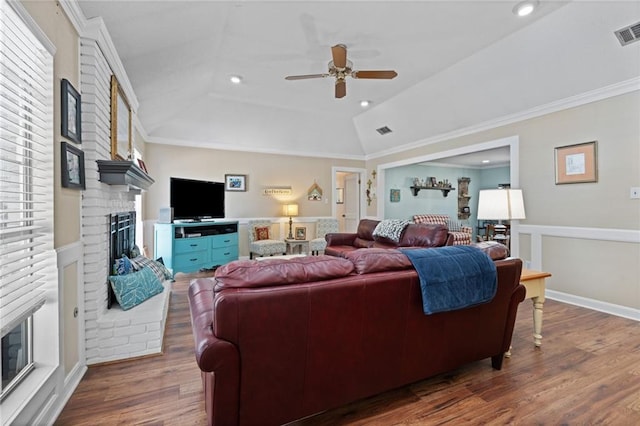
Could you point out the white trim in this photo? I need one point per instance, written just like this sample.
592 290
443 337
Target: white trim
50 413
362 172
596 305
610 91
513 142
601 234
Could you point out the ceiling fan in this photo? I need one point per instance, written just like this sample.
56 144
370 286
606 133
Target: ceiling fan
340 67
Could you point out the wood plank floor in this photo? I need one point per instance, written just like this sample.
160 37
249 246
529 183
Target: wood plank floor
586 373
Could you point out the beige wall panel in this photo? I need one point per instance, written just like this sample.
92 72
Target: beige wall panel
607 271
262 170
53 21
525 247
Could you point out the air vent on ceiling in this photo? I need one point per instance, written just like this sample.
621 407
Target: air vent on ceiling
628 34
384 130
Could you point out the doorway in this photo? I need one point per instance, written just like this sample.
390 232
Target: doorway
348 208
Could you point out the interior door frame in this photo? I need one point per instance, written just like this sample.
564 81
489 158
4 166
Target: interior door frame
361 172
513 142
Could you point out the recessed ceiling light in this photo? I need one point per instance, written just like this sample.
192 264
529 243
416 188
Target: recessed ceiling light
525 8
486 161
235 79
364 104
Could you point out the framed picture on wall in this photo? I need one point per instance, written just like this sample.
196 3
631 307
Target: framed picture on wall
120 123
394 195
235 182
72 167
576 163
71 114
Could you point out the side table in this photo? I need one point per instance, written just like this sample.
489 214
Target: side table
302 246
534 283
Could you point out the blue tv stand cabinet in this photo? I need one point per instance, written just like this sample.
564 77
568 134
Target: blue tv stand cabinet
189 247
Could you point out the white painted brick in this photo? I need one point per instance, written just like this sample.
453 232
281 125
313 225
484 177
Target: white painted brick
153 326
105 335
129 331
130 349
155 344
114 341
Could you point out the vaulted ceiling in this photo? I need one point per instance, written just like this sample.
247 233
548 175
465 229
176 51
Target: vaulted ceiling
460 65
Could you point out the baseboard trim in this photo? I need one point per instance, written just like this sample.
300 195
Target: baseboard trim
596 305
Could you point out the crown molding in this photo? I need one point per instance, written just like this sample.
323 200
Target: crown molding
606 92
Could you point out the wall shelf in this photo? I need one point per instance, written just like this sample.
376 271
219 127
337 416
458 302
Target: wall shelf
114 172
445 191
463 198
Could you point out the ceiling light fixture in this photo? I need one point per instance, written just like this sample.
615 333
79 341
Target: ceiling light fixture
364 104
235 79
486 161
525 8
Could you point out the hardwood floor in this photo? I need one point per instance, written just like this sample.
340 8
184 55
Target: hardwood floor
587 372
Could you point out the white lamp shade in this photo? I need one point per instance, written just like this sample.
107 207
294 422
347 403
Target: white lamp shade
290 210
500 204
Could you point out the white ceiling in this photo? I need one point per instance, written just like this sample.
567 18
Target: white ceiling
460 64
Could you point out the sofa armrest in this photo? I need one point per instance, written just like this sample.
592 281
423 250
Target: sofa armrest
340 239
212 353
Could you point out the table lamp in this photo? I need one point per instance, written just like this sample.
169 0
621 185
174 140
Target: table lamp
500 204
290 210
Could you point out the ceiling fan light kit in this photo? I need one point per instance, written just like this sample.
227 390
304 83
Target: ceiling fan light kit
340 68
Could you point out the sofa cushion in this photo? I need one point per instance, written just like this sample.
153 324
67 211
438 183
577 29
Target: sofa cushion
278 271
366 228
424 235
362 243
372 260
493 249
389 230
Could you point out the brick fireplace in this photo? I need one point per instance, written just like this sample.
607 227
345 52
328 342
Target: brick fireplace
110 334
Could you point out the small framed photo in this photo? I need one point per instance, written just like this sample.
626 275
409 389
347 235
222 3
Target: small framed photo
72 166
301 233
235 182
394 196
576 163
339 195
142 165
71 113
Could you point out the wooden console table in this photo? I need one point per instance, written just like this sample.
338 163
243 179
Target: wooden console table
534 282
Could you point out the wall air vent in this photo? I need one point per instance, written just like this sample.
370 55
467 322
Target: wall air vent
384 130
628 34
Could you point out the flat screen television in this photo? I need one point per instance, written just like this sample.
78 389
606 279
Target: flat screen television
196 199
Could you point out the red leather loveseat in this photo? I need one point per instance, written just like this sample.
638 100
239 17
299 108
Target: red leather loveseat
414 235
278 340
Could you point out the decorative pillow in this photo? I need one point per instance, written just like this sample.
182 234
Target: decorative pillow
135 251
390 229
123 266
262 233
133 289
158 268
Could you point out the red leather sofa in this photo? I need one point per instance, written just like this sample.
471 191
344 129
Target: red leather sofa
278 340
414 235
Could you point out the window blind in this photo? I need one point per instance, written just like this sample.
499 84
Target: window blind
27 258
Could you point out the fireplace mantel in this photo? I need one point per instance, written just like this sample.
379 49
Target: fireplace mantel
115 172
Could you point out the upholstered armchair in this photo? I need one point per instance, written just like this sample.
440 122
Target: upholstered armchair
261 242
461 233
323 227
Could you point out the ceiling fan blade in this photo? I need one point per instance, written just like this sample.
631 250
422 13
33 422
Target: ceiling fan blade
341 89
388 74
339 53
302 77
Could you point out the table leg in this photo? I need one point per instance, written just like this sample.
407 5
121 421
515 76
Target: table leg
538 303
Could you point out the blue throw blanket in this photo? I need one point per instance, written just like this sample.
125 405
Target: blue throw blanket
453 277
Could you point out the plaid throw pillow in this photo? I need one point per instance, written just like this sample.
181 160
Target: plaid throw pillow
158 268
